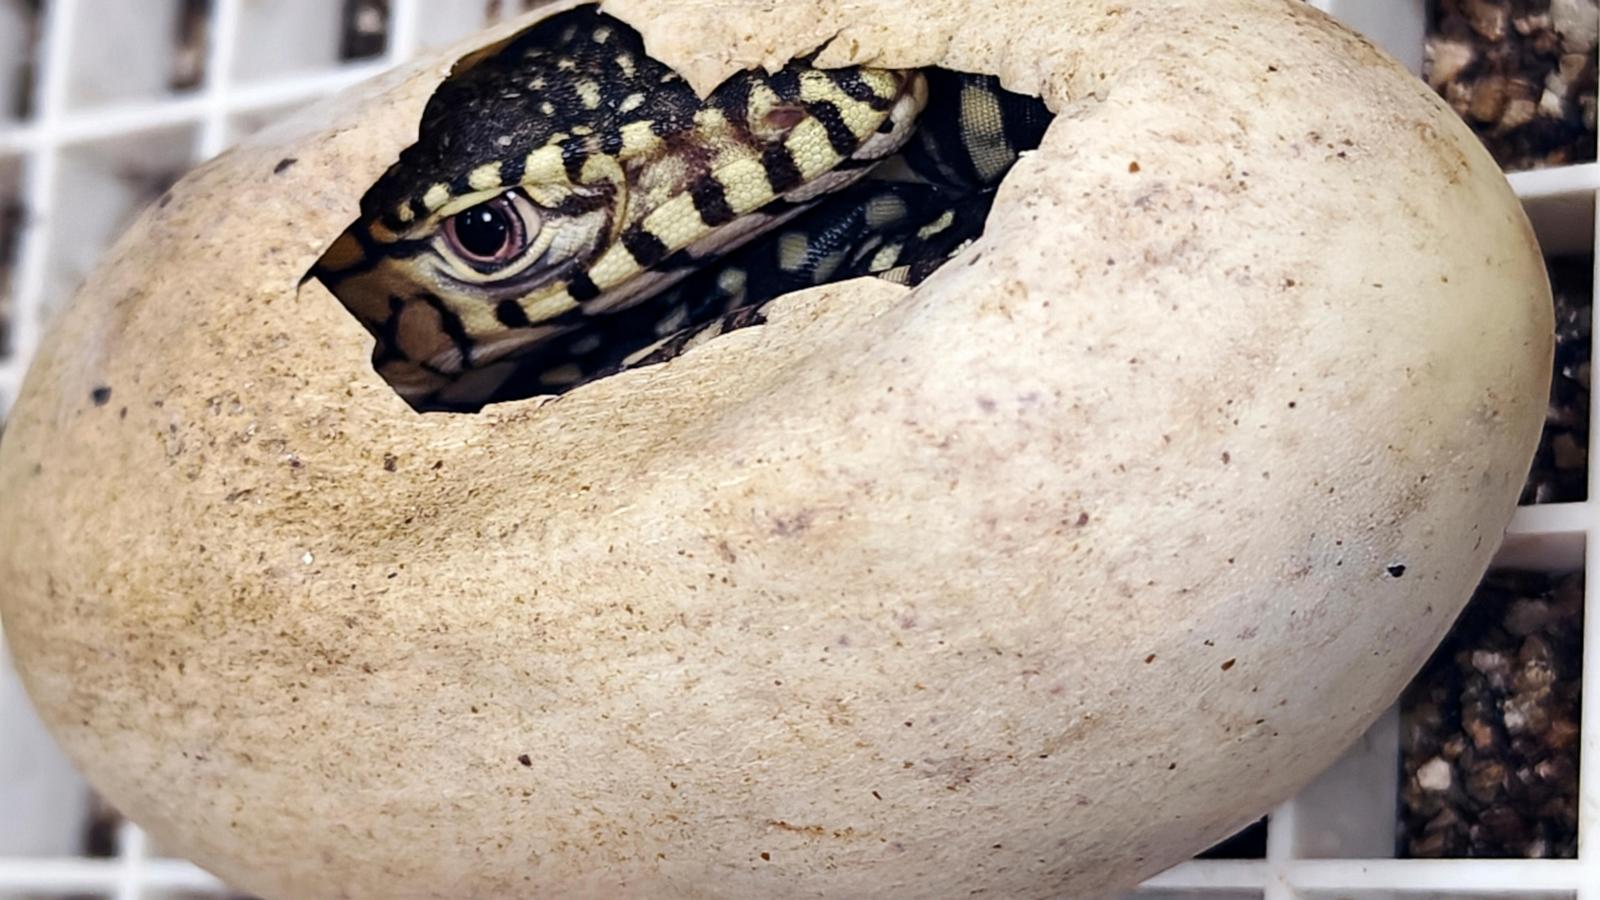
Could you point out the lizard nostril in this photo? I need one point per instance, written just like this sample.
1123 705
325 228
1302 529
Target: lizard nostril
784 118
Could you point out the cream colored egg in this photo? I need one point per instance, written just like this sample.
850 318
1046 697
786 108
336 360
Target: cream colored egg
1033 580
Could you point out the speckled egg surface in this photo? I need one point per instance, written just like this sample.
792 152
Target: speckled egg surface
1033 580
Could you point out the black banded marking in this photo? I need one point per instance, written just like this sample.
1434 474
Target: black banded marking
392 220
576 204
782 172
645 248
947 147
711 202
462 185
672 113
856 88
840 137
510 314
582 288
573 155
419 211
953 154
786 84
733 98
512 168
1023 120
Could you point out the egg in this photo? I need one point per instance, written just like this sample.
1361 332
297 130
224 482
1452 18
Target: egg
1033 580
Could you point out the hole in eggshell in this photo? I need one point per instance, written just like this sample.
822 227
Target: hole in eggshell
661 220
1248 843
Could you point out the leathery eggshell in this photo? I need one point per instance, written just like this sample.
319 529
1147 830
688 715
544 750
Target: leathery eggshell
1033 580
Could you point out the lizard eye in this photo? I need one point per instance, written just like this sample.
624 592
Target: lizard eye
490 234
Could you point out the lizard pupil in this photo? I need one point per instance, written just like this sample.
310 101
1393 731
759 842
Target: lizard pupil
483 231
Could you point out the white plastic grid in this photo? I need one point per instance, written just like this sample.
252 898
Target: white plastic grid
105 135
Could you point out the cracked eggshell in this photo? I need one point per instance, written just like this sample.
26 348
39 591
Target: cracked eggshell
1033 580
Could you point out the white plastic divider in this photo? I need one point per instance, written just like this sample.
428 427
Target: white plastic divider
39 168
220 52
90 140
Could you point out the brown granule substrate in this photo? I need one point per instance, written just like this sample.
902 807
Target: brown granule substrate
1521 73
1489 730
1560 472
